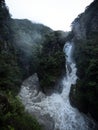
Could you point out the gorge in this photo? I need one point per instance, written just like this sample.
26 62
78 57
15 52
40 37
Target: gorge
49 79
55 112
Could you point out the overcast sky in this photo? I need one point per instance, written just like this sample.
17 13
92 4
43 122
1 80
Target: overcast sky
57 14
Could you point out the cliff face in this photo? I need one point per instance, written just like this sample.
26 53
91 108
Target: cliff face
84 94
86 24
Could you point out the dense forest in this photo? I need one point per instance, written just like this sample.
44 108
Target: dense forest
84 94
12 112
22 50
27 48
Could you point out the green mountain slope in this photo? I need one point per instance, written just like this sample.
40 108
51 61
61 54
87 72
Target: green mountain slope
84 94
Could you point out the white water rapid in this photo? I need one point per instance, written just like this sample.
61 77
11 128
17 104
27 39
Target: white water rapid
55 111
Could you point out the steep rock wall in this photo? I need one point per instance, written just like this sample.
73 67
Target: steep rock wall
85 32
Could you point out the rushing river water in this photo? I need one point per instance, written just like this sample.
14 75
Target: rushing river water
55 111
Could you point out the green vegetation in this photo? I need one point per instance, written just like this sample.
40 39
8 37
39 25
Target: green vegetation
10 76
12 113
26 38
51 60
21 54
85 93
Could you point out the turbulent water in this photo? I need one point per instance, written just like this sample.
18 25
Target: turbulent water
55 111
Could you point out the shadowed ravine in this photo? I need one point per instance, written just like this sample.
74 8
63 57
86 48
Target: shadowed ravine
55 112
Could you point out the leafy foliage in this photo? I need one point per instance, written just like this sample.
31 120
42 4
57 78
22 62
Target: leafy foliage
10 75
85 93
13 115
51 61
12 112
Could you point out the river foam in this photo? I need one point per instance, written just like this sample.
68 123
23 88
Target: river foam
54 112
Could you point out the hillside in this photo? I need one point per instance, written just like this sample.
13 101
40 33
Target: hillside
84 34
34 51
22 49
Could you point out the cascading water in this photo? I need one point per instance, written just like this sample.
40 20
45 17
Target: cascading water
55 111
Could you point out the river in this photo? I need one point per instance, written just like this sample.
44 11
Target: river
54 112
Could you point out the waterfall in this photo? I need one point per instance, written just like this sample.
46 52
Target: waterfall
55 112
